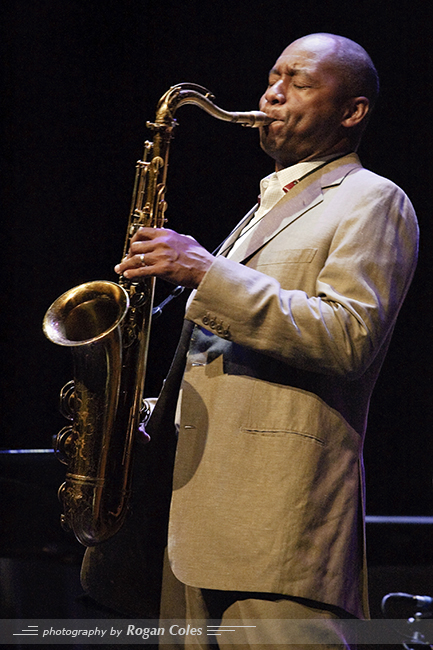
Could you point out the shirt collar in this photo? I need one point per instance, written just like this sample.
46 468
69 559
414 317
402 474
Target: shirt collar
289 175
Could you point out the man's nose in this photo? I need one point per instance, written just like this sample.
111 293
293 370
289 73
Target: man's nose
274 94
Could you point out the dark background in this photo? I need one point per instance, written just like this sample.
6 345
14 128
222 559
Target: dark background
81 77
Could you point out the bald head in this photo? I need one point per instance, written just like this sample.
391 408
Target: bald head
352 64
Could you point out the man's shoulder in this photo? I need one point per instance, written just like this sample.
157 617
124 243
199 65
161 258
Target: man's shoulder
377 189
356 180
363 187
357 173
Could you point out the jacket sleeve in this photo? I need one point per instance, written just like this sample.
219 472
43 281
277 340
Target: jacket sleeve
359 289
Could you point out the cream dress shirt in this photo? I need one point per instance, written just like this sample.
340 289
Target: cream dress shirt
273 188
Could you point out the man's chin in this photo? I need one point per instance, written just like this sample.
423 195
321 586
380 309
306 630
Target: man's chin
268 143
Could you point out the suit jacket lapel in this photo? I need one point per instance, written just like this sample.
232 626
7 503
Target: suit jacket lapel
232 237
293 205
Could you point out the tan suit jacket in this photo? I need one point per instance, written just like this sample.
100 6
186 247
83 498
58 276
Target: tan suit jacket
268 481
268 492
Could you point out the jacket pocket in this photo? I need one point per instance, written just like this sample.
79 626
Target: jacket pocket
272 433
288 256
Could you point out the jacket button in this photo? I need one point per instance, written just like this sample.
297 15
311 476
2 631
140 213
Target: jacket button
205 320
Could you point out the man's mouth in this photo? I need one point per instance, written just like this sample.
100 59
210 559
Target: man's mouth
275 121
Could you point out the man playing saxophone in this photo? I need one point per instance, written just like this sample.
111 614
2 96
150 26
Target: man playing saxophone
291 323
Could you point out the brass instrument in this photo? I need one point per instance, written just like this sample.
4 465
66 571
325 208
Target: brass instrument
107 327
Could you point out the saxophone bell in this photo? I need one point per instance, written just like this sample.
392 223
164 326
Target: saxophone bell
88 319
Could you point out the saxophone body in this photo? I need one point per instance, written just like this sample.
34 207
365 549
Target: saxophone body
107 327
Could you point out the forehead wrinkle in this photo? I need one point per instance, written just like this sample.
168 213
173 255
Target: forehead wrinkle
292 72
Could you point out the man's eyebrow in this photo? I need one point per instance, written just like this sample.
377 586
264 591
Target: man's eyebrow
292 72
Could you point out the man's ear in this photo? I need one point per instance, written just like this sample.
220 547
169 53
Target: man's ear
356 110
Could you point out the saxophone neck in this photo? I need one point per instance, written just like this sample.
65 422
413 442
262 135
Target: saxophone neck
188 93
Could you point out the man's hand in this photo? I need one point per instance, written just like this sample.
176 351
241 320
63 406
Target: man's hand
165 254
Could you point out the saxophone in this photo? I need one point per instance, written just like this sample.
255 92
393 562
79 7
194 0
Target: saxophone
107 327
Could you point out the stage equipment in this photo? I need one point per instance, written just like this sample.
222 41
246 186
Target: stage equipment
417 630
107 327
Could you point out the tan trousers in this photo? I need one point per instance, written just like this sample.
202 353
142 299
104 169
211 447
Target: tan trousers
247 620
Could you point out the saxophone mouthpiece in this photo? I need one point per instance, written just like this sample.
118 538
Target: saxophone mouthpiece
261 119
253 119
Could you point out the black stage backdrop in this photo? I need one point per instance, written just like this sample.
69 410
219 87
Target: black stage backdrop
81 77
